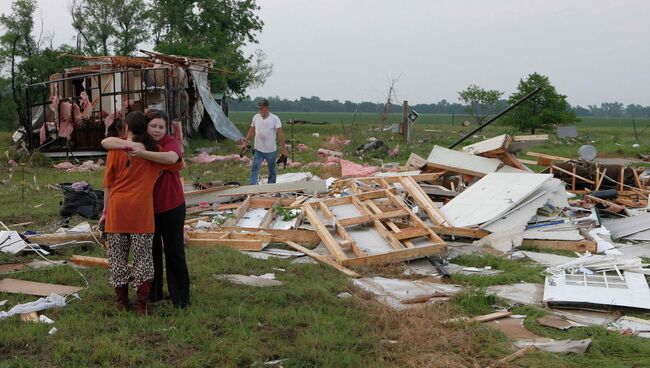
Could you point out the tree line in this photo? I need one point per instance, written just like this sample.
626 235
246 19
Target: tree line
316 104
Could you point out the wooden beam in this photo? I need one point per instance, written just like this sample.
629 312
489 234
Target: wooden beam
574 175
89 261
238 213
491 316
350 221
323 259
300 236
252 245
330 243
462 232
396 255
573 245
423 200
410 233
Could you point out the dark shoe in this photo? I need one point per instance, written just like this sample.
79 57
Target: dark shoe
142 306
122 297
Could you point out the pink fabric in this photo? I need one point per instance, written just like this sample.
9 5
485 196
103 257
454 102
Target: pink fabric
204 158
302 147
394 151
66 124
86 166
42 134
86 105
351 169
336 142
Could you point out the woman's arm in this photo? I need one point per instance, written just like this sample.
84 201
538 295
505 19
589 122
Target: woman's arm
117 143
165 158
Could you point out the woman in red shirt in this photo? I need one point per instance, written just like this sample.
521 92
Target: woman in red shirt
130 213
169 208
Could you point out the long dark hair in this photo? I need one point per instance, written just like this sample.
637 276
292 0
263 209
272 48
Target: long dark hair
137 124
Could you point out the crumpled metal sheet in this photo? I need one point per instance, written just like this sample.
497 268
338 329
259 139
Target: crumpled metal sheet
222 124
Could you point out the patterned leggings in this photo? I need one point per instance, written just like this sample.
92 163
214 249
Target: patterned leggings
118 258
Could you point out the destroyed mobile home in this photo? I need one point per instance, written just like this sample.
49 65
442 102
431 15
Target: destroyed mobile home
72 112
479 199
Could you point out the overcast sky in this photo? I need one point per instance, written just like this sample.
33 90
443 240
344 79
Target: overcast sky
592 50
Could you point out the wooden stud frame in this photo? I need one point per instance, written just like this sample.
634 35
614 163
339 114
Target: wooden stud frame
392 219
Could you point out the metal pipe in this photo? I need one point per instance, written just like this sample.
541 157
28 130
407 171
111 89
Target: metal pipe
495 117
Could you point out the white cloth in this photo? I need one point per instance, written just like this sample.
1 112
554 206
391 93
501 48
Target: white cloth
265 132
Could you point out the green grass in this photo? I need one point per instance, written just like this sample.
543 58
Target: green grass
302 321
514 271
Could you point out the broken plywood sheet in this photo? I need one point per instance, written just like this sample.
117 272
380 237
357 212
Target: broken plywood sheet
556 346
513 327
522 293
586 317
15 286
598 290
11 242
624 227
465 163
266 280
395 292
500 142
491 197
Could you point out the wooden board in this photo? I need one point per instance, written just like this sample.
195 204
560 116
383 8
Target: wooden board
11 267
322 259
396 255
15 286
299 236
574 245
240 244
89 261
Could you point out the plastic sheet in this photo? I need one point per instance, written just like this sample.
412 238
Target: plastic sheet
222 124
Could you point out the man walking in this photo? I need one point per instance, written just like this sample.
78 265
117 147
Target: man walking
265 127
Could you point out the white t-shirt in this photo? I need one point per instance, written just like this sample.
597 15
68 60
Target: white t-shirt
265 132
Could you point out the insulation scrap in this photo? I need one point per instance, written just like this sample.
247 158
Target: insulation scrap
86 166
205 158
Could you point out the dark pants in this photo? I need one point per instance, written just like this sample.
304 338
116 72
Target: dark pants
170 239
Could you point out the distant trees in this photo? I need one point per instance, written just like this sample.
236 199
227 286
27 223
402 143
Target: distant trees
481 103
542 110
24 58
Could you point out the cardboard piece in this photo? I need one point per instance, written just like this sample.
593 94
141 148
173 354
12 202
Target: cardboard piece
15 286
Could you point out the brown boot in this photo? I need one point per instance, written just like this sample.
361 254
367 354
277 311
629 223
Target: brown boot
122 297
142 306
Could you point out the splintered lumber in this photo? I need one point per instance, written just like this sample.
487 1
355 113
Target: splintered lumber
309 187
242 241
546 160
489 147
491 316
322 259
423 200
573 245
517 354
194 197
58 238
15 286
299 236
465 163
396 255
89 261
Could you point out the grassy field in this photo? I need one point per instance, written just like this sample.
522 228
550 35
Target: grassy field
302 321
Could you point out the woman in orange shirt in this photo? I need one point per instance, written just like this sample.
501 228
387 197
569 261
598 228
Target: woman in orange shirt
129 182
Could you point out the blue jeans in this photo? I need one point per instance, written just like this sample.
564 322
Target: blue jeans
258 158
